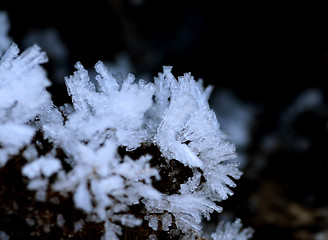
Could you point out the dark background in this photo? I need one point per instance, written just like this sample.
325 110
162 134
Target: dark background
266 54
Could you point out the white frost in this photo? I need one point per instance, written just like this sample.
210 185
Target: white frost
232 231
23 94
46 166
108 113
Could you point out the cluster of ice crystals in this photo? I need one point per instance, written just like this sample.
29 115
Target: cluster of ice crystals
189 132
107 111
23 95
23 83
45 166
107 114
232 231
103 117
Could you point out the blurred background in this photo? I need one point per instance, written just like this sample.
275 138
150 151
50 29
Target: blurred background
268 64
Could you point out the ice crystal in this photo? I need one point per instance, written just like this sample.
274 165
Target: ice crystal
232 231
23 94
178 121
42 166
118 146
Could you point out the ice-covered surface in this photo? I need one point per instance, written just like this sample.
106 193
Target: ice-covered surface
106 114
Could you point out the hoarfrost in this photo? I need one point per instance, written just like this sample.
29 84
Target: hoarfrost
82 197
23 94
152 221
23 83
232 231
166 221
44 165
12 138
107 114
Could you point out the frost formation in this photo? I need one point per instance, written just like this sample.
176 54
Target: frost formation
232 231
105 135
